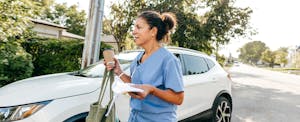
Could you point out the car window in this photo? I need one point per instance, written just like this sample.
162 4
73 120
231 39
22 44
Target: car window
210 63
194 65
179 56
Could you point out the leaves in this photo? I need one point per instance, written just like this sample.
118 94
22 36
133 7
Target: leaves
251 52
225 21
14 19
69 17
281 56
15 62
268 56
220 22
55 55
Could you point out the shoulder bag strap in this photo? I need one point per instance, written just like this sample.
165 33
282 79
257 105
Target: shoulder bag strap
103 86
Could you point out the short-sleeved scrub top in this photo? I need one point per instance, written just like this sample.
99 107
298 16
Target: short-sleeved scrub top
162 70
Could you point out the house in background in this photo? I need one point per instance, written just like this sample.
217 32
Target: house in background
51 30
110 40
294 57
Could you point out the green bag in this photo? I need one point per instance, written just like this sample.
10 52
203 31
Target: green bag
97 111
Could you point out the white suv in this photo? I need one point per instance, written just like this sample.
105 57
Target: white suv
66 97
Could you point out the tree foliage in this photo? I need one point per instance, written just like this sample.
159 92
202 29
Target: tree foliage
275 57
69 17
281 56
15 24
14 19
251 52
43 6
225 21
122 16
55 55
269 57
15 62
221 22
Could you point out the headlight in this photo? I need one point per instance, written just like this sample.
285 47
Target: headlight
20 112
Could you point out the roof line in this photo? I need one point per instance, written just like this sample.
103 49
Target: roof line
47 23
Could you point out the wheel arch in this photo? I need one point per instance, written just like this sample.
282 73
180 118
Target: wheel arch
225 94
77 117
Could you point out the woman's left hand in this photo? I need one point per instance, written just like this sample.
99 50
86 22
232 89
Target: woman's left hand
148 89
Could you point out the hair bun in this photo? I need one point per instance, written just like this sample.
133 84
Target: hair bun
169 19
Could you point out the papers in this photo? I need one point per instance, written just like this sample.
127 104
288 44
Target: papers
119 87
111 105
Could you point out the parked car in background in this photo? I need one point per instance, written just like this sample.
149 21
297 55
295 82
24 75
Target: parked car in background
66 97
236 63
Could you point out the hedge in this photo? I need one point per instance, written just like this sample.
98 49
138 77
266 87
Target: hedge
55 55
39 56
15 63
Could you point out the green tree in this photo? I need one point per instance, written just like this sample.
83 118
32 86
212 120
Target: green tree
76 20
14 19
224 21
193 31
15 62
281 56
122 16
51 55
251 52
269 57
69 17
188 30
43 6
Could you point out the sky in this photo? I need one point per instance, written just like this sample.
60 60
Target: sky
276 21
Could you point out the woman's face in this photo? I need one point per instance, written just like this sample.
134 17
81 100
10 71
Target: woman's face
141 32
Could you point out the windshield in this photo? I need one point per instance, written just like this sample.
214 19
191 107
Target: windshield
97 69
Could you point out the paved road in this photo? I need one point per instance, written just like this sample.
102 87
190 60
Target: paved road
264 96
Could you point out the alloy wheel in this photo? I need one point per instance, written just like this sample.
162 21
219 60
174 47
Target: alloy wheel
223 112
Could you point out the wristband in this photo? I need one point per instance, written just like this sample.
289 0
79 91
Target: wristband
121 75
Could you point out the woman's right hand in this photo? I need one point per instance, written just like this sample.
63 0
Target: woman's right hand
116 67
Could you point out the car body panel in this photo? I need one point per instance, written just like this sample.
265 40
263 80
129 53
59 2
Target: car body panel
44 88
72 95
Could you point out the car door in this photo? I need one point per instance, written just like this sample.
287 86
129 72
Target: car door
198 87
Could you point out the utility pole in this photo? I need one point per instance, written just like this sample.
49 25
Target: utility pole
93 33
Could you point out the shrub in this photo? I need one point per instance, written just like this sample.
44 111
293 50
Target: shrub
55 55
15 62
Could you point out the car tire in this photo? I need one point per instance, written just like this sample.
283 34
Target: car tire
222 109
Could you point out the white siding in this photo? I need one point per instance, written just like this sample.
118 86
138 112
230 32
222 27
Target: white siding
47 31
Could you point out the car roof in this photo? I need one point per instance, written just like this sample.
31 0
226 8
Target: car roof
128 55
173 49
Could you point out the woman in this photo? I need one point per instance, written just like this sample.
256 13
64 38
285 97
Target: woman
156 71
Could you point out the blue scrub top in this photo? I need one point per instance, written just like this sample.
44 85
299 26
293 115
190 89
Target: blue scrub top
162 70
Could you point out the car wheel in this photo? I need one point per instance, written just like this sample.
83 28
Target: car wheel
221 110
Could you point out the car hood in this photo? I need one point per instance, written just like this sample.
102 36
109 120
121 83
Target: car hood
46 87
